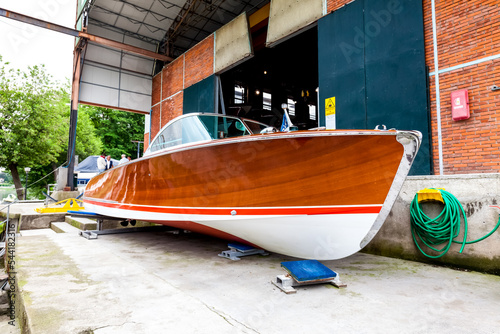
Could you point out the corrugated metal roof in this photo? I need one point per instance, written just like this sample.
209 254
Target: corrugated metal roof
173 25
118 79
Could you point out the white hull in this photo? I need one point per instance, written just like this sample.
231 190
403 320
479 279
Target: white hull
320 236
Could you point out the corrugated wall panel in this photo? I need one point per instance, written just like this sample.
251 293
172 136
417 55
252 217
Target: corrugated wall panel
116 79
232 44
287 17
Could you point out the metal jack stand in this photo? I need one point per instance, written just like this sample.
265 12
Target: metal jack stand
94 234
238 250
89 235
306 272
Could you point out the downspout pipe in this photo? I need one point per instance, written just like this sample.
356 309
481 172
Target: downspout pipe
438 97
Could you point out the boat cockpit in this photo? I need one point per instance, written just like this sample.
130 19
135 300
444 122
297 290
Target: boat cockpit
199 127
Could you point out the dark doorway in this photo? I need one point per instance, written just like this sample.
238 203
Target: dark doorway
285 74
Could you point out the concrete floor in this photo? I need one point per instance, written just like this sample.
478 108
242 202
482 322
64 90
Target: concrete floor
158 282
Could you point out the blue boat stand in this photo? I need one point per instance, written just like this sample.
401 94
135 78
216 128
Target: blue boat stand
239 250
306 272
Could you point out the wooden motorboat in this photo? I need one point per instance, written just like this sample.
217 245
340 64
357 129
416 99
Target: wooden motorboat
314 194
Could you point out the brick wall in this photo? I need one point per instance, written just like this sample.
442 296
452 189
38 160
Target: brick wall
199 62
171 107
172 78
467 31
155 121
168 86
333 5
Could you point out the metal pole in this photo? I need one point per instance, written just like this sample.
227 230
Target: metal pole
138 146
438 94
26 186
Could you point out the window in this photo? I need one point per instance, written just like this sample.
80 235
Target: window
266 98
198 128
239 94
312 112
291 107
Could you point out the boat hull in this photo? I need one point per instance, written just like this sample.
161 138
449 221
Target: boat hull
310 194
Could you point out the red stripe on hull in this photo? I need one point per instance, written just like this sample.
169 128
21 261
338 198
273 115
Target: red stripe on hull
244 211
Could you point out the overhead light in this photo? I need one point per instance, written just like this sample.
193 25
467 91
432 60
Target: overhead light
257 92
27 169
265 72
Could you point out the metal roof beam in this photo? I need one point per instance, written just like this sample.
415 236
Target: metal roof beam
149 11
68 31
125 47
153 28
123 31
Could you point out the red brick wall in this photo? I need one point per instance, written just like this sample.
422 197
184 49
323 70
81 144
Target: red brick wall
171 108
155 121
199 62
333 5
173 78
193 66
156 94
146 141
466 31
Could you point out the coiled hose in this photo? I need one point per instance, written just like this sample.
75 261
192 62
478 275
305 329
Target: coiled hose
443 229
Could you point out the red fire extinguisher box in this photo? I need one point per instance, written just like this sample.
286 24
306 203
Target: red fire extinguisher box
460 104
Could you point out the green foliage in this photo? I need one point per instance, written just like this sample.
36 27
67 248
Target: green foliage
34 126
7 179
116 129
30 115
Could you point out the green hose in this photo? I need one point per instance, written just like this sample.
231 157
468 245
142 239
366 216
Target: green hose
443 229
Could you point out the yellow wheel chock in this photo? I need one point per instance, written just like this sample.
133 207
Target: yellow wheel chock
70 204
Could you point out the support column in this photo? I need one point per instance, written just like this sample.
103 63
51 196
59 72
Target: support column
73 118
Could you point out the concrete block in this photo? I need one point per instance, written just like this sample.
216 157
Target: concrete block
63 227
84 224
476 193
32 221
41 231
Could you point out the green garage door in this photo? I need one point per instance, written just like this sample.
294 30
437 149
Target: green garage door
371 58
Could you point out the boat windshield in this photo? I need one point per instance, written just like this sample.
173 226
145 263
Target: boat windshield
196 128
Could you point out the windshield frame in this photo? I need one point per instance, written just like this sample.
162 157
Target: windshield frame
180 118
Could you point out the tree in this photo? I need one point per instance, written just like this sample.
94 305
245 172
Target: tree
34 113
116 129
30 118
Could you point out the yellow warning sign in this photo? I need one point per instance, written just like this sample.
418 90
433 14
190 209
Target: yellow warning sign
330 106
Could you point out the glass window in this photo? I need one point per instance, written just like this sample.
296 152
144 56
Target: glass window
291 107
266 104
312 112
198 128
183 131
239 94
